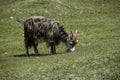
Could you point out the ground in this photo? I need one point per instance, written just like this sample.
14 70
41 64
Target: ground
97 54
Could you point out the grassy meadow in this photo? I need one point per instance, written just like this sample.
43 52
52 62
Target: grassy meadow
97 54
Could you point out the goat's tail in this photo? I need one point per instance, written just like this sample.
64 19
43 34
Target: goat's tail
20 21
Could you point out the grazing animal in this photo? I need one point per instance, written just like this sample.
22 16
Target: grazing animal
38 29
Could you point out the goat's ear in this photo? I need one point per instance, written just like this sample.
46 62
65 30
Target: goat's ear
71 32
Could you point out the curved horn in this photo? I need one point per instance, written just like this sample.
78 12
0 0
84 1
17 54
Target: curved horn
76 35
76 31
71 33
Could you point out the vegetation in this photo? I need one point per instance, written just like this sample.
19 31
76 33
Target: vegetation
97 55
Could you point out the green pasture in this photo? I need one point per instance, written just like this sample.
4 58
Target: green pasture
97 54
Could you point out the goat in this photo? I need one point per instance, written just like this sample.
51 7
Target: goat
38 28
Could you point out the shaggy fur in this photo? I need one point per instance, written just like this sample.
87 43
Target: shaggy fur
38 28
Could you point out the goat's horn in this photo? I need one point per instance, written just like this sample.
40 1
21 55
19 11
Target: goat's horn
76 31
71 33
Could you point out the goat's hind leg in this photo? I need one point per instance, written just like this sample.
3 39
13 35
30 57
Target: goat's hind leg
27 51
26 47
36 50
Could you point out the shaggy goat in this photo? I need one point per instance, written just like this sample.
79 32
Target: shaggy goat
38 28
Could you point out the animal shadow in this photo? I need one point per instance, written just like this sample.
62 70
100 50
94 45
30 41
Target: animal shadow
31 55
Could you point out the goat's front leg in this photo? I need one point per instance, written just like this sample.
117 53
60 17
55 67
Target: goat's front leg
53 49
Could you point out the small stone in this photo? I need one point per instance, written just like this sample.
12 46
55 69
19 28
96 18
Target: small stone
13 9
11 17
6 53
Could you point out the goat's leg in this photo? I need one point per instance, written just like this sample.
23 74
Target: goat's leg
53 50
35 47
26 47
27 51
36 50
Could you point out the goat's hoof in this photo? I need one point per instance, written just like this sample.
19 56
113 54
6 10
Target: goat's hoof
54 53
37 54
27 55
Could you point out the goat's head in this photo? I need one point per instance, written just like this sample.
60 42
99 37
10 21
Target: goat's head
72 41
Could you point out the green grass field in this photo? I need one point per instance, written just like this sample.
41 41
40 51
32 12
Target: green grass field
97 54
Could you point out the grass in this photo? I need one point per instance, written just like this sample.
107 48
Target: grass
97 55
